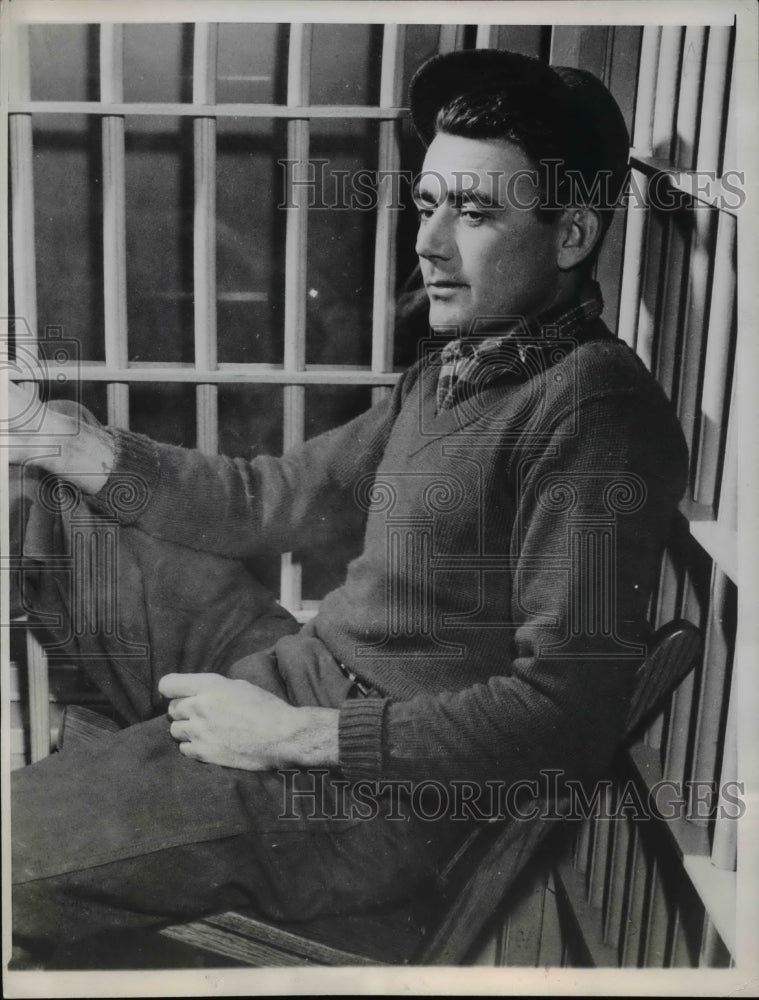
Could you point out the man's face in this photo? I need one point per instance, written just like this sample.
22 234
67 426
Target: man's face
482 256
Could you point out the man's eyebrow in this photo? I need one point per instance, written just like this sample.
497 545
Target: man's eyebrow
457 198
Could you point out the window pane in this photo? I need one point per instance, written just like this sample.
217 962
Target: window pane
164 411
250 240
340 268
68 228
252 63
327 407
158 62
63 62
250 420
159 225
92 395
336 79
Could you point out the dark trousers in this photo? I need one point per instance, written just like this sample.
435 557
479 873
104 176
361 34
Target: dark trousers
130 833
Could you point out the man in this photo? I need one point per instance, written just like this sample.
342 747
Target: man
512 496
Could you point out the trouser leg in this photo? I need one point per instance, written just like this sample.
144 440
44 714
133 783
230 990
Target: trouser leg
134 834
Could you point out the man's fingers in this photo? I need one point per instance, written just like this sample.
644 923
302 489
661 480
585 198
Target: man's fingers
180 732
184 685
178 708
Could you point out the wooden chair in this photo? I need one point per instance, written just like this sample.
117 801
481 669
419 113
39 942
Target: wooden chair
441 929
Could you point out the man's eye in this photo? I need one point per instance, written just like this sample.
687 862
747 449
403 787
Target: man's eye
472 216
424 212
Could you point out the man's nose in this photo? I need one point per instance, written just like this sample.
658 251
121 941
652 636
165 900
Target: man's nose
435 236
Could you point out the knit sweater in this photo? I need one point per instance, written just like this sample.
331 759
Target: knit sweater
510 546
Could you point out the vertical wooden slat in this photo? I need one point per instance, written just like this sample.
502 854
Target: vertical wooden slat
633 929
728 498
39 699
632 274
666 606
383 309
716 380
298 78
665 105
597 873
716 76
657 920
204 234
22 187
614 897
114 221
689 98
645 101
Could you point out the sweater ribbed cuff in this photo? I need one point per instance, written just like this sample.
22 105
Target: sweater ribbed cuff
360 738
132 482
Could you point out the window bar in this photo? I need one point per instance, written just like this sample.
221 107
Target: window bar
25 308
689 100
632 276
666 607
681 708
22 185
725 840
650 297
298 74
582 846
716 377
715 92
451 38
644 104
701 259
670 324
708 735
383 312
487 36
728 499
114 221
665 105
204 234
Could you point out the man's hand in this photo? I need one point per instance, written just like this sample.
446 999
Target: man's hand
237 724
39 434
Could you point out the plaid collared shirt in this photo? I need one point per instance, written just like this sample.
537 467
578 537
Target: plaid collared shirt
468 364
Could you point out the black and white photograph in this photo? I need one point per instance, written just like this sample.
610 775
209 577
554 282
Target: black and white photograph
378 445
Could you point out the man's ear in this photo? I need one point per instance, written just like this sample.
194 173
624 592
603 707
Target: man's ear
580 232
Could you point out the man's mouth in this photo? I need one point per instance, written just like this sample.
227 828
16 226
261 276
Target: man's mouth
441 287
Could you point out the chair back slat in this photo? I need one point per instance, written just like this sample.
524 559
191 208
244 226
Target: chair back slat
674 651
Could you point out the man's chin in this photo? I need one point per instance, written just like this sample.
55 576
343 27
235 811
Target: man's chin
450 321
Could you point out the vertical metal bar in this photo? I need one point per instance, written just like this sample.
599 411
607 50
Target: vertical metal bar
650 297
725 839
667 78
716 375
614 897
704 222
383 310
728 498
632 267
298 78
707 735
689 98
114 221
633 930
39 699
600 857
487 36
205 44
666 606
716 76
671 320
451 38
22 187
679 722
644 104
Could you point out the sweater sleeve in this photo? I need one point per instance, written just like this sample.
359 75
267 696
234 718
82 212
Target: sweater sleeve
579 590
244 509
